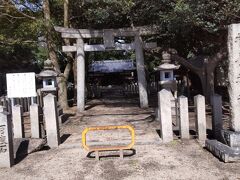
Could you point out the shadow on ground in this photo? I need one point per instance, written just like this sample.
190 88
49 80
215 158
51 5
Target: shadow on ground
126 153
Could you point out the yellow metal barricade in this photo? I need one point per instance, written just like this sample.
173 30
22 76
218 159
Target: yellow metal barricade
108 148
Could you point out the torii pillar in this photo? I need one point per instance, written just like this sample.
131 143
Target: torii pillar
80 75
142 83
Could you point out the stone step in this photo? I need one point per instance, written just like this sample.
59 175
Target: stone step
24 146
222 151
231 138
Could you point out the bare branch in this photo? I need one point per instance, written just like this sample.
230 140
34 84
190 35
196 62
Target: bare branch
216 58
11 3
14 17
9 19
187 63
26 15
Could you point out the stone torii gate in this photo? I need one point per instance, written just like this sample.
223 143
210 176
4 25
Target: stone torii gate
109 44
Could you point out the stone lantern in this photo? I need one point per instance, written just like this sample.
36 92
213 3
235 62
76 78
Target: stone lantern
166 71
49 78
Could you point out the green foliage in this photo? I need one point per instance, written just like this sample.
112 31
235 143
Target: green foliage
40 54
192 27
198 25
101 13
18 33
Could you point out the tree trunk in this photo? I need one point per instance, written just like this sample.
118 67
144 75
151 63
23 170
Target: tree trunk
68 67
61 80
62 92
210 68
206 71
202 77
50 42
206 75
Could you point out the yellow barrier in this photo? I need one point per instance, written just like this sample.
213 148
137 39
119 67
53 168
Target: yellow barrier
108 148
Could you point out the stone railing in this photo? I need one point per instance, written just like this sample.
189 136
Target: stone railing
168 108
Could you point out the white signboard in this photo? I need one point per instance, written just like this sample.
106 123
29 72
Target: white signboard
21 85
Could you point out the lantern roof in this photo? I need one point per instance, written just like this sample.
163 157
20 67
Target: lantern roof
166 66
48 70
166 63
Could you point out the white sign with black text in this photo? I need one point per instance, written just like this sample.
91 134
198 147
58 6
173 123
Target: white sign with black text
21 85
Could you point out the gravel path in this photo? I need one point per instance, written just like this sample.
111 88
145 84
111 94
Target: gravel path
150 159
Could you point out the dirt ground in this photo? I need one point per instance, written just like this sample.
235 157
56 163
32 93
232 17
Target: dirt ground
149 159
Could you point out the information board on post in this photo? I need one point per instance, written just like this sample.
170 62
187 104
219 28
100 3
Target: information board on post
21 85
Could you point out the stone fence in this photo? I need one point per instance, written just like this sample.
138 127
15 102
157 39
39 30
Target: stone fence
12 126
131 89
165 113
25 102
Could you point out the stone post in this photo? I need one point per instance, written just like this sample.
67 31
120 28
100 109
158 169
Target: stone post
80 75
6 141
164 102
142 83
227 145
176 112
157 114
2 109
234 75
9 106
174 108
217 123
183 117
12 101
17 118
51 120
34 119
199 103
